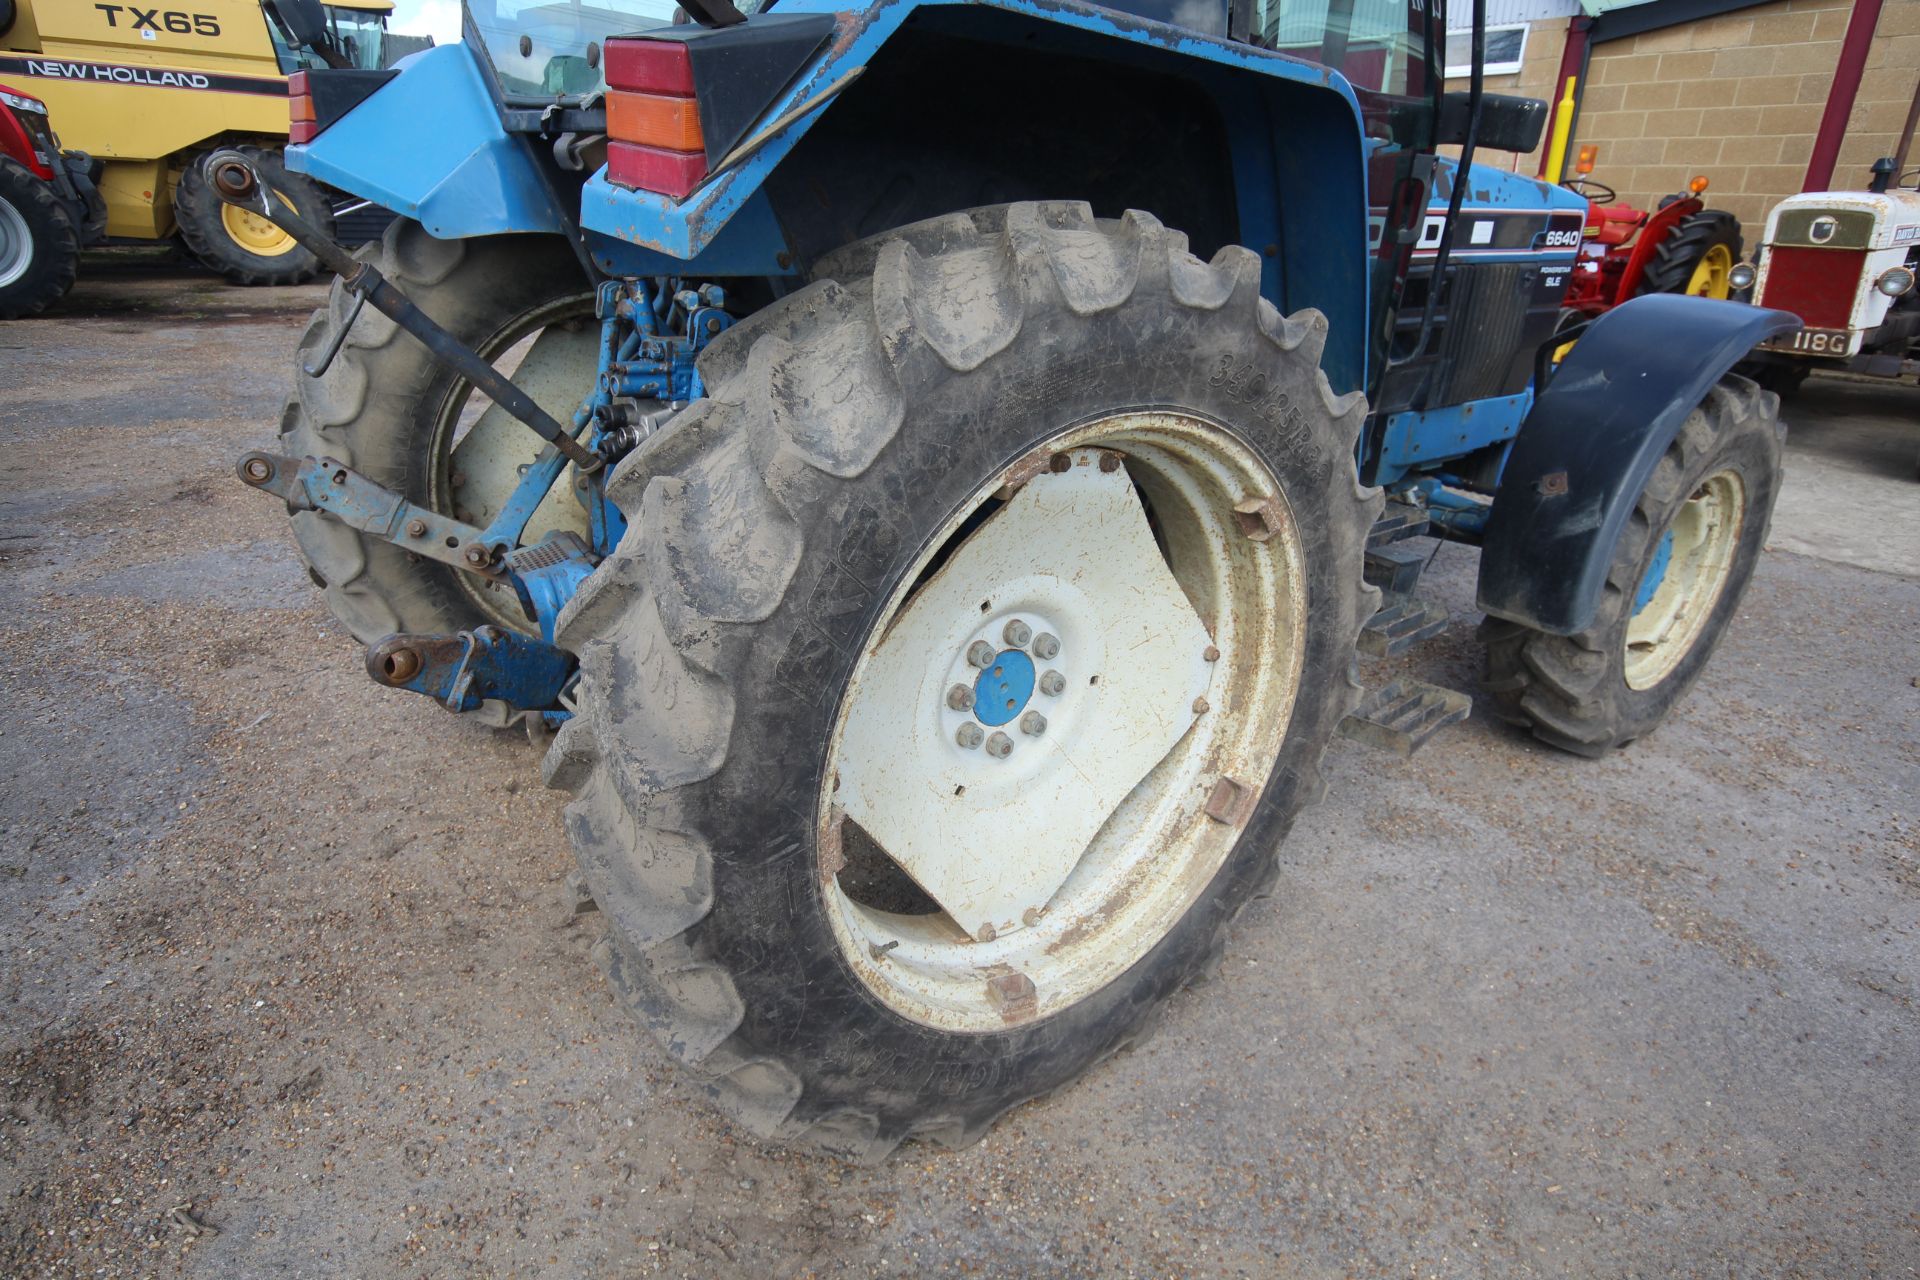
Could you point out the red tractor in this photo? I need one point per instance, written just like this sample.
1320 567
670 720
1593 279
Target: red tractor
1680 247
49 208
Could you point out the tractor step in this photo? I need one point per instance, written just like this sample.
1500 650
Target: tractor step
1404 622
1401 715
1399 520
1395 569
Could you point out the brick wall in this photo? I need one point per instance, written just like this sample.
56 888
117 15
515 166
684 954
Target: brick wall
1738 98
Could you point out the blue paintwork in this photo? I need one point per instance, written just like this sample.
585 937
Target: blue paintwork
429 144
1003 689
1592 441
545 591
496 664
1435 435
1655 575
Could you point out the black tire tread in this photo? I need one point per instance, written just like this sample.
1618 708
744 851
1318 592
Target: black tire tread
1558 686
1675 257
684 573
56 245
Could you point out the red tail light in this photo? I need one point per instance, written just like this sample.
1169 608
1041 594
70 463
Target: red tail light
302 124
653 120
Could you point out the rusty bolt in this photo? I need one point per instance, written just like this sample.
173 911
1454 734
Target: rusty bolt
1053 684
1017 633
1227 801
960 698
970 735
416 528
999 746
1013 995
1259 518
1210 654
1033 724
1061 463
257 470
981 654
1201 706
1030 917
1109 462
879 949
1552 485
987 933
458 479
476 555
1046 646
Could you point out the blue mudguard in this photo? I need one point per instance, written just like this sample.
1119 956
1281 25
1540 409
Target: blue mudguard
1591 443
429 144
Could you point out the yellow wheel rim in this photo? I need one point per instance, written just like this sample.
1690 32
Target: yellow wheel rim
1711 274
254 233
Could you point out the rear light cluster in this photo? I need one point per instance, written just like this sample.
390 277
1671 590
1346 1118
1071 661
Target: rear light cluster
653 119
302 124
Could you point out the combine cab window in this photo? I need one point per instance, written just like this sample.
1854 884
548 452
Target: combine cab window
360 34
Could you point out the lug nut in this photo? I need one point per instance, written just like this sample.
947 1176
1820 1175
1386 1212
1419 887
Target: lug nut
999 746
1109 462
1033 724
1017 634
981 654
1210 654
970 735
1053 684
1201 706
1046 646
416 528
960 698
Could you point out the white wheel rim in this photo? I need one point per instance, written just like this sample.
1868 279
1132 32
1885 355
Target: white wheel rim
1677 594
1059 864
16 245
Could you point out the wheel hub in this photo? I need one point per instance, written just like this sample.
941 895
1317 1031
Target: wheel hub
1016 741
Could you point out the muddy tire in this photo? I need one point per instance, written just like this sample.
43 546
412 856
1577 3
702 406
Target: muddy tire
385 408
861 441
1676 580
39 251
244 247
1696 257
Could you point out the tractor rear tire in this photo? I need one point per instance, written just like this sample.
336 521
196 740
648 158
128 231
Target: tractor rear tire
241 246
855 433
39 252
1603 687
1706 237
384 405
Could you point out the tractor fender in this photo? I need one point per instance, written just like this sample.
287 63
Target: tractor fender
1590 443
461 175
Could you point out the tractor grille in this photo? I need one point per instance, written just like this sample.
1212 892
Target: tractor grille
1486 321
1818 285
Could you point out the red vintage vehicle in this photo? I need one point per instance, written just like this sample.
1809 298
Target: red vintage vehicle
1680 247
49 207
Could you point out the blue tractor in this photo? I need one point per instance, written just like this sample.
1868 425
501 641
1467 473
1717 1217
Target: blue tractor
929 465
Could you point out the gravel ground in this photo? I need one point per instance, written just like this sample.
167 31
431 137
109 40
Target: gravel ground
283 991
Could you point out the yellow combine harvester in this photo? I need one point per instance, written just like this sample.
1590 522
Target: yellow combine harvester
151 92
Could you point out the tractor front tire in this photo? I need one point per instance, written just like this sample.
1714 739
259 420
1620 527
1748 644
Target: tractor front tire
242 246
914 447
1695 257
39 251
387 409
1676 580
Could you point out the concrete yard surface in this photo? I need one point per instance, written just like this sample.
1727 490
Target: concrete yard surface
283 990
